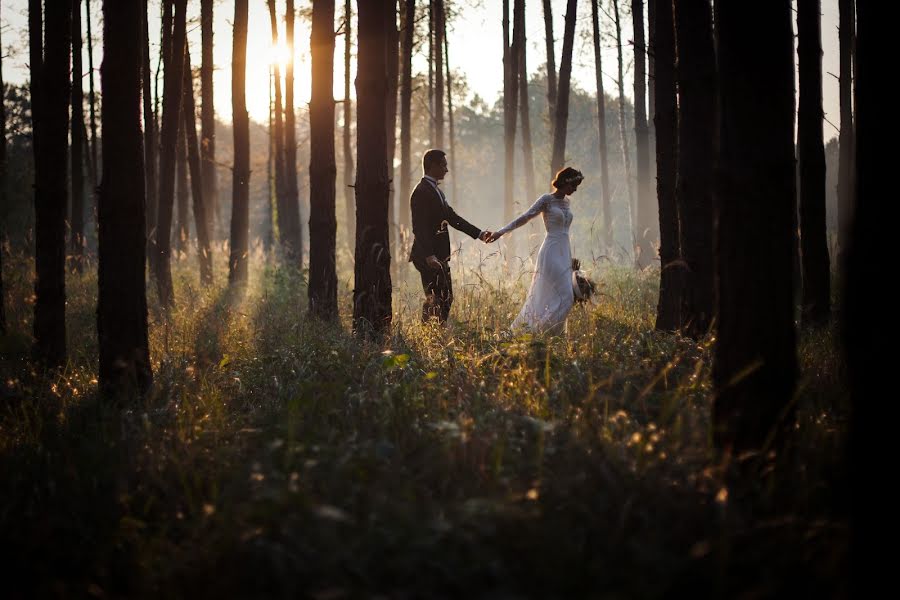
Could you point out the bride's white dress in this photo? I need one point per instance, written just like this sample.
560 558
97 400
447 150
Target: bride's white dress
551 295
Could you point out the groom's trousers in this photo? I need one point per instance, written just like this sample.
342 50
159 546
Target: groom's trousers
438 288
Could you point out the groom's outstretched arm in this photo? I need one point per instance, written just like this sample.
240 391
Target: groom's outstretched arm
457 222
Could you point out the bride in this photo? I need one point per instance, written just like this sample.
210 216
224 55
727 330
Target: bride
551 295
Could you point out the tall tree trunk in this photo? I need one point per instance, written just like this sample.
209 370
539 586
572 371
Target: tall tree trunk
816 305
76 220
281 209
647 222
510 103
349 169
846 34
122 300
372 274
626 155
50 111
268 234
150 138
406 163
322 166
696 156
450 112
522 82
393 72
668 315
432 141
551 68
208 118
182 191
755 361
292 192
562 98
601 121
651 68
199 202
3 199
171 118
240 204
438 73
95 167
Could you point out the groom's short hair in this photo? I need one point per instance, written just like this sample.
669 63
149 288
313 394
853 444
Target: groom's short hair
432 157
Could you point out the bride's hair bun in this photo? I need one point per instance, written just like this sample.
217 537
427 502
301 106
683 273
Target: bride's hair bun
566 176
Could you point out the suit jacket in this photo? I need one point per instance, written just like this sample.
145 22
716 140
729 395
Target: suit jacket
430 217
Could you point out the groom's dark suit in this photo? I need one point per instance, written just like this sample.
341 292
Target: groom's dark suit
430 216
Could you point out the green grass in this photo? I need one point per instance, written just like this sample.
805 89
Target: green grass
281 457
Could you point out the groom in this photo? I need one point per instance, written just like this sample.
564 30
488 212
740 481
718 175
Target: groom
431 244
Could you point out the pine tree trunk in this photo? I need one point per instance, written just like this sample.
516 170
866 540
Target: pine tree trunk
651 68
199 202
522 83
450 111
626 155
551 69
438 73
95 167
268 234
647 221
432 142
372 281
601 122
292 193
393 72
208 119
3 199
349 169
816 305
671 277
406 163
322 166
240 212
76 220
696 157
755 361
125 367
171 119
182 191
151 143
50 111
281 209
562 98
510 103
846 33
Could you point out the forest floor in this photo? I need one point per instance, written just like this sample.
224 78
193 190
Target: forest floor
281 457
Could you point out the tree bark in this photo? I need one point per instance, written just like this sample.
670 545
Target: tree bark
199 201
562 98
292 193
647 221
755 362
3 199
281 208
50 112
322 166
601 122
240 211
696 156
125 367
406 164
671 277
95 167
208 118
182 191
268 235
349 169
510 103
372 281
171 118
150 134
76 220
846 34
393 73
452 131
815 264
551 69
439 73
522 83
626 155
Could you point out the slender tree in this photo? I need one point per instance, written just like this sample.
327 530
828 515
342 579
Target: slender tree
122 300
92 102
76 218
349 170
171 118
50 113
668 316
240 204
510 103
438 54
372 275
562 98
182 190
651 68
601 123
3 199
522 82
150 138
292 192
281 209
816 305
450 117
432 142
551 67
406 165
322 166
646 223
208 118
846 35
696 155
390 124
198 200
626 155
755 360
268 236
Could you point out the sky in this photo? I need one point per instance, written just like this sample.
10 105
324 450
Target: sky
475 48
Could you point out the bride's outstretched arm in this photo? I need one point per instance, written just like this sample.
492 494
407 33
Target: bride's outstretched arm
536 209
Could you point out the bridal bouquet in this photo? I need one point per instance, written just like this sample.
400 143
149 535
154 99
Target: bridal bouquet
583 286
